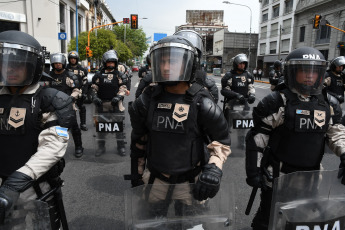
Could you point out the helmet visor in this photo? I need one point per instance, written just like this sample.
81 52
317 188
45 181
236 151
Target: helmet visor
171 64
17 67
306 77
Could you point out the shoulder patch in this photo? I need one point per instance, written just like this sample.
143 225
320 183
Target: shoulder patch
62 132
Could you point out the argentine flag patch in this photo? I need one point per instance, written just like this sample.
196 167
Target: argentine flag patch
62 132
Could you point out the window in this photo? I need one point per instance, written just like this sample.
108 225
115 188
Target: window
265 16
263 32
79 23
286 26
288 6
301 33
323 35
71 18
274 29
265 3
285 46
262 48
273 47
275 11
324 53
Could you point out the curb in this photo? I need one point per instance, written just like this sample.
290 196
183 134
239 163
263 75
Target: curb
262 81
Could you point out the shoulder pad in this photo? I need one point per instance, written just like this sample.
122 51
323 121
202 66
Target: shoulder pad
269 105
62 104
334 103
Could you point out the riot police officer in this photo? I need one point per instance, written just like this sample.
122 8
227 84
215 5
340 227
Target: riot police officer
197 41
291 126
334 79
67 82
109 86
275 74
169 121
33 131
238 84
146 79
74 67
143 71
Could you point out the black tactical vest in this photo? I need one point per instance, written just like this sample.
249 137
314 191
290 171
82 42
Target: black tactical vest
60 82
174 147
18 144
78 71
300 141
108 85
337 84
240 83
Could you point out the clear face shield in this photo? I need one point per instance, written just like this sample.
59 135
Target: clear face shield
306 77
17 64
171 64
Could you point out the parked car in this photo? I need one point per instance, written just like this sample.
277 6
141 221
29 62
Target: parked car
135 68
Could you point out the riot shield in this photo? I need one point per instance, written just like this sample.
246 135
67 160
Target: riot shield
109 136
172 213
31 215
240 120
308 200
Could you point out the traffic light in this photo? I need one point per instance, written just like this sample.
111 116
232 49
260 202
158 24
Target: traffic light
316 21
134 21
90 53
125 20
87 51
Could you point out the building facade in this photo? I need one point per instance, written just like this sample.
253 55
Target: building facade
275 32
329 41
46 20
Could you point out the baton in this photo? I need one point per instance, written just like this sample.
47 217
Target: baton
251 200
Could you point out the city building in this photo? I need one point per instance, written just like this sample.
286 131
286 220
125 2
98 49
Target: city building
329 41
226 45
275 31
53 23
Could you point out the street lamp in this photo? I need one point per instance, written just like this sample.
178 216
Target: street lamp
250 30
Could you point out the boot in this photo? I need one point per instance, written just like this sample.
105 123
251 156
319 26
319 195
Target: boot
121 150
82 115
79 150
101 148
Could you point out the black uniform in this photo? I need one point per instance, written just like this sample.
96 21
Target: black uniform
143 71
59 82
82 77
274 78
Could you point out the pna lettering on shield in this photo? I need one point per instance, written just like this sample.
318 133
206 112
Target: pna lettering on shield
109 127
243 123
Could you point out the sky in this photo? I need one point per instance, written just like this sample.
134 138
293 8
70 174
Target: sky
163 15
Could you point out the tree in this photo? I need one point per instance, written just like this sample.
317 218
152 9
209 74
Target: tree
135 39
104 41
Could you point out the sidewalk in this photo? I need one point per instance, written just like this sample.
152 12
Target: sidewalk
263 80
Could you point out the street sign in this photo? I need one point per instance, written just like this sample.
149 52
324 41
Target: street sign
62 36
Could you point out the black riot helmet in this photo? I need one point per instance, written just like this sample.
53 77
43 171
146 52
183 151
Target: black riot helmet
336 62
304 71
195 38
58 58
173 60
110 56
277 64
240 58
21 59
73 54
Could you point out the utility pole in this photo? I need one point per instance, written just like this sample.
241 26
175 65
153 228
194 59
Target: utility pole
280 40
76 23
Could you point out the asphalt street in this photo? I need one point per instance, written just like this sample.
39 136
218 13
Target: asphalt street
94 186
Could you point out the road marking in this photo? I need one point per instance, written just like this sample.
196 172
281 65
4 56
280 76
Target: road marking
136 85
261 86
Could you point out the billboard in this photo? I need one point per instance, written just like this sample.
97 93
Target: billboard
158 36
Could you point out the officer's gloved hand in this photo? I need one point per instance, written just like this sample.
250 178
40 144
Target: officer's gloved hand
97 101
340 98
83 97
251 98
241 99
208 182
341 173
137 182
116 100
10 190
256 180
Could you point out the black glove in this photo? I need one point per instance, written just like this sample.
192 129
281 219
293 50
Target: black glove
208 182
257 180
137 182
83 97
340 98
341 173
10 190
97 101
116 99
251 98
241 99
